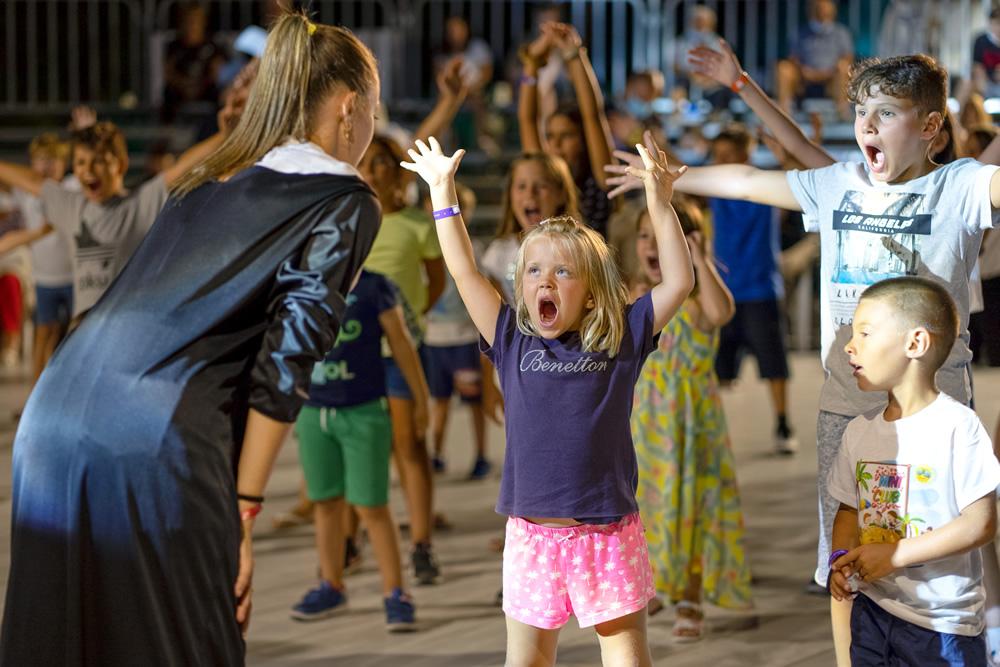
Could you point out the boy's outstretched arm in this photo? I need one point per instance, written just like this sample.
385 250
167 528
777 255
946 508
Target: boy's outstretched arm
974 527
405 354
671 246
19 176
724 181
480 298
724 67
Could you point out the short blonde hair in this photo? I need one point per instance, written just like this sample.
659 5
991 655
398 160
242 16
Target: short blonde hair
604 326
48 145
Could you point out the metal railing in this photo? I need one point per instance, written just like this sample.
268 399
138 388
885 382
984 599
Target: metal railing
55 53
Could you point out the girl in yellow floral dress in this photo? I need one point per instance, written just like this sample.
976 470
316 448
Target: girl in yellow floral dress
687 492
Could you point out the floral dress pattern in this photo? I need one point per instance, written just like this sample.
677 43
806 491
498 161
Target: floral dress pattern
688 496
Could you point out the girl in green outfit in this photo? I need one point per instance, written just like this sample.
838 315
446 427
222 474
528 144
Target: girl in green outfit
687 494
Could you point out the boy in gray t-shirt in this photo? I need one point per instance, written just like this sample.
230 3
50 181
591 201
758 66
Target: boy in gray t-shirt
103 222
897 213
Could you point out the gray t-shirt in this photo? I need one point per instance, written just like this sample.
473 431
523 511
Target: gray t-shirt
102 236
930 226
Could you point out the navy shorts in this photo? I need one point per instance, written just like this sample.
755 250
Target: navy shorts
756 327
879 638
53 305
395 383
447 366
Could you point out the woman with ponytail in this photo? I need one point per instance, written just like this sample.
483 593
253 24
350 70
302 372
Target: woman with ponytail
142 455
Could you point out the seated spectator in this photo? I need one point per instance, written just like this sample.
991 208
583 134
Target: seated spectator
819 62
907 26
477 74
641 89
191 64
986 58
700 32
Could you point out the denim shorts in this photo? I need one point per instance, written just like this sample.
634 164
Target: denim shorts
53 305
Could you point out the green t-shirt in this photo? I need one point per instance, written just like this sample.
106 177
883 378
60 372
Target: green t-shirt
405 239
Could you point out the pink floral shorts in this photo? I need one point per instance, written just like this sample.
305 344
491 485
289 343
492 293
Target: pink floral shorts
597 573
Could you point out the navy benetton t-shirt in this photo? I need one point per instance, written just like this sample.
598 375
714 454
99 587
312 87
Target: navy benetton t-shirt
352 372
569 445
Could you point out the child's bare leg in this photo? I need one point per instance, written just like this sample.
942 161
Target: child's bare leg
385 545
439 423
528 646
624 642
479 428
840 619
328 517
410 451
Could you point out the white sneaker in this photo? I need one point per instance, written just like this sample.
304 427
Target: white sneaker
785 442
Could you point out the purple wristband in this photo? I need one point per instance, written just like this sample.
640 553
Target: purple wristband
447 212
835 555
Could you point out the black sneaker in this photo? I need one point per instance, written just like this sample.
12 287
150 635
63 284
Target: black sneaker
481 469
425 567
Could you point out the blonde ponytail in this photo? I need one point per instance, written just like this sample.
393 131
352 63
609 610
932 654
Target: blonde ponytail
302 64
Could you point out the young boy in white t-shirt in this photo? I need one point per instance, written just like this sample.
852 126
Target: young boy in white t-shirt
916 482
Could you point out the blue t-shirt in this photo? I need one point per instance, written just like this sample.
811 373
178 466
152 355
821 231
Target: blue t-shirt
569 445
747 245
352 373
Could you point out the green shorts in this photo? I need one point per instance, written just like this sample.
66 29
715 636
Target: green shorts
345 452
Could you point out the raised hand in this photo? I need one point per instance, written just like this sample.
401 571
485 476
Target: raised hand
564 36
82 117
720 65
627 176
450 83
534 55
622 181
655 174
431 164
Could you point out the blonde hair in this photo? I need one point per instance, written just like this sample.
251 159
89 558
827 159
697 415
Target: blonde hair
48 145
557 172
302 65
603 327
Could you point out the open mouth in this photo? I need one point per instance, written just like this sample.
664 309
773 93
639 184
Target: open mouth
876 158
855 369
547 312
653 263
532 215
91 187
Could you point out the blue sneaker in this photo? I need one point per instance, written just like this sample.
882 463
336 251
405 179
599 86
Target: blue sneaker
438 464
321 602
399 612
481 469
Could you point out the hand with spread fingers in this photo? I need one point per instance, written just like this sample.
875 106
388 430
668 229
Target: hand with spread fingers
654 174
624 180
432 165
720 65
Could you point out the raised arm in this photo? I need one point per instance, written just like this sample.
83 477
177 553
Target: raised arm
671 246
724 67
715 301
405 354
438 170
724 181
596 131
19 176
533 57
451 94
